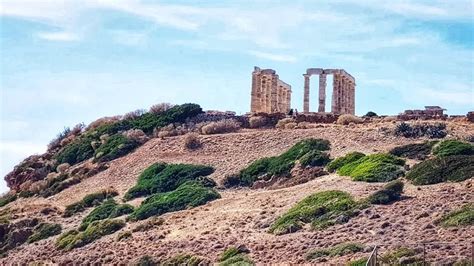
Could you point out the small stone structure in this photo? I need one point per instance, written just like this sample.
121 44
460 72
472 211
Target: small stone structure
430 112
343 94
269 93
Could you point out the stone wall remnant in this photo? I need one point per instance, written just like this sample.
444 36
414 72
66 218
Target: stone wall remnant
269 93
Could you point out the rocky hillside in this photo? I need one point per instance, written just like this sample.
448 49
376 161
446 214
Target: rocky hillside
177 214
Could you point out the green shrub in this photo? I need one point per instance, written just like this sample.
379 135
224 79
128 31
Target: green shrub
183 259
59 186
282 165
392 258
453 147
315 158
391 192
108 209
188 195
461 217
88 201
116 146
4 200
358 262
371 114
417 151
454 168
374 168
95 230
235 256
77 151
338 250
146 261
341 161
320 209
161 177
43 231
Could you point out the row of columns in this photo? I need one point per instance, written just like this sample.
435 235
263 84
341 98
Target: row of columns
269 93
343 95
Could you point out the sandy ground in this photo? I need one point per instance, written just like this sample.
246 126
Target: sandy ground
242 216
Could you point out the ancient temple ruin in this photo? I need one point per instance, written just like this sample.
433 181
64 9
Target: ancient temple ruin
269 93
343 93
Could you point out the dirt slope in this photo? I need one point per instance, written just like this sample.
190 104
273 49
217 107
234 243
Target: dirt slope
242 216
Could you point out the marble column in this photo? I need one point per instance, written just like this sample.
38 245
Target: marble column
306 94
322 93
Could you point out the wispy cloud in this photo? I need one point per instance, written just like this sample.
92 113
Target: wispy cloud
58 36
274 57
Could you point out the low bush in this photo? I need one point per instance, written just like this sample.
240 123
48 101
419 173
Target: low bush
417 151
453 147
146 261
192 141
116 146
136 135
371 114
374 168
43 231
258 121
341 161
7 198
283 122
454 168
358 262
320 209
219 127
124 235
393 257
315 158
235 256
391 192
338 250
95 230
346 119
462 217
160 108
88 201
183 259
108 209
189 194
59 185
282 165
433 131
161 177
149 224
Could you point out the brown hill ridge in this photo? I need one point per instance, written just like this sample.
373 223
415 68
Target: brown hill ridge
242 216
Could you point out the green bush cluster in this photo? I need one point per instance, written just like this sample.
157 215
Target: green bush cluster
320 209
108 209
453 147
161 177
417 151
43 231
338 250
341 161
462 217
454 168
374 168
187 195
391 192
393 257
116 146
88 201
311 150
235 256
95 230
358 262
4 200
183 259
81 148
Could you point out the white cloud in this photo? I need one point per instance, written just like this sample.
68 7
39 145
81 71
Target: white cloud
58 36
274 57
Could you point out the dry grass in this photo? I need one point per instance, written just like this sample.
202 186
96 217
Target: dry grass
160 108
258 121
282 123
346 119
219 127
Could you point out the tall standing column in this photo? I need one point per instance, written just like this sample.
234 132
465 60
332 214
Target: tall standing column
322 93
335 94
288 100
352 98
274 95
306 94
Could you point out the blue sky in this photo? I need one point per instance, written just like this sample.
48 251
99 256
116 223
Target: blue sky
65 62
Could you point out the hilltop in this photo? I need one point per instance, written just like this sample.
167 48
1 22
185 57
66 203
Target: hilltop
112 155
